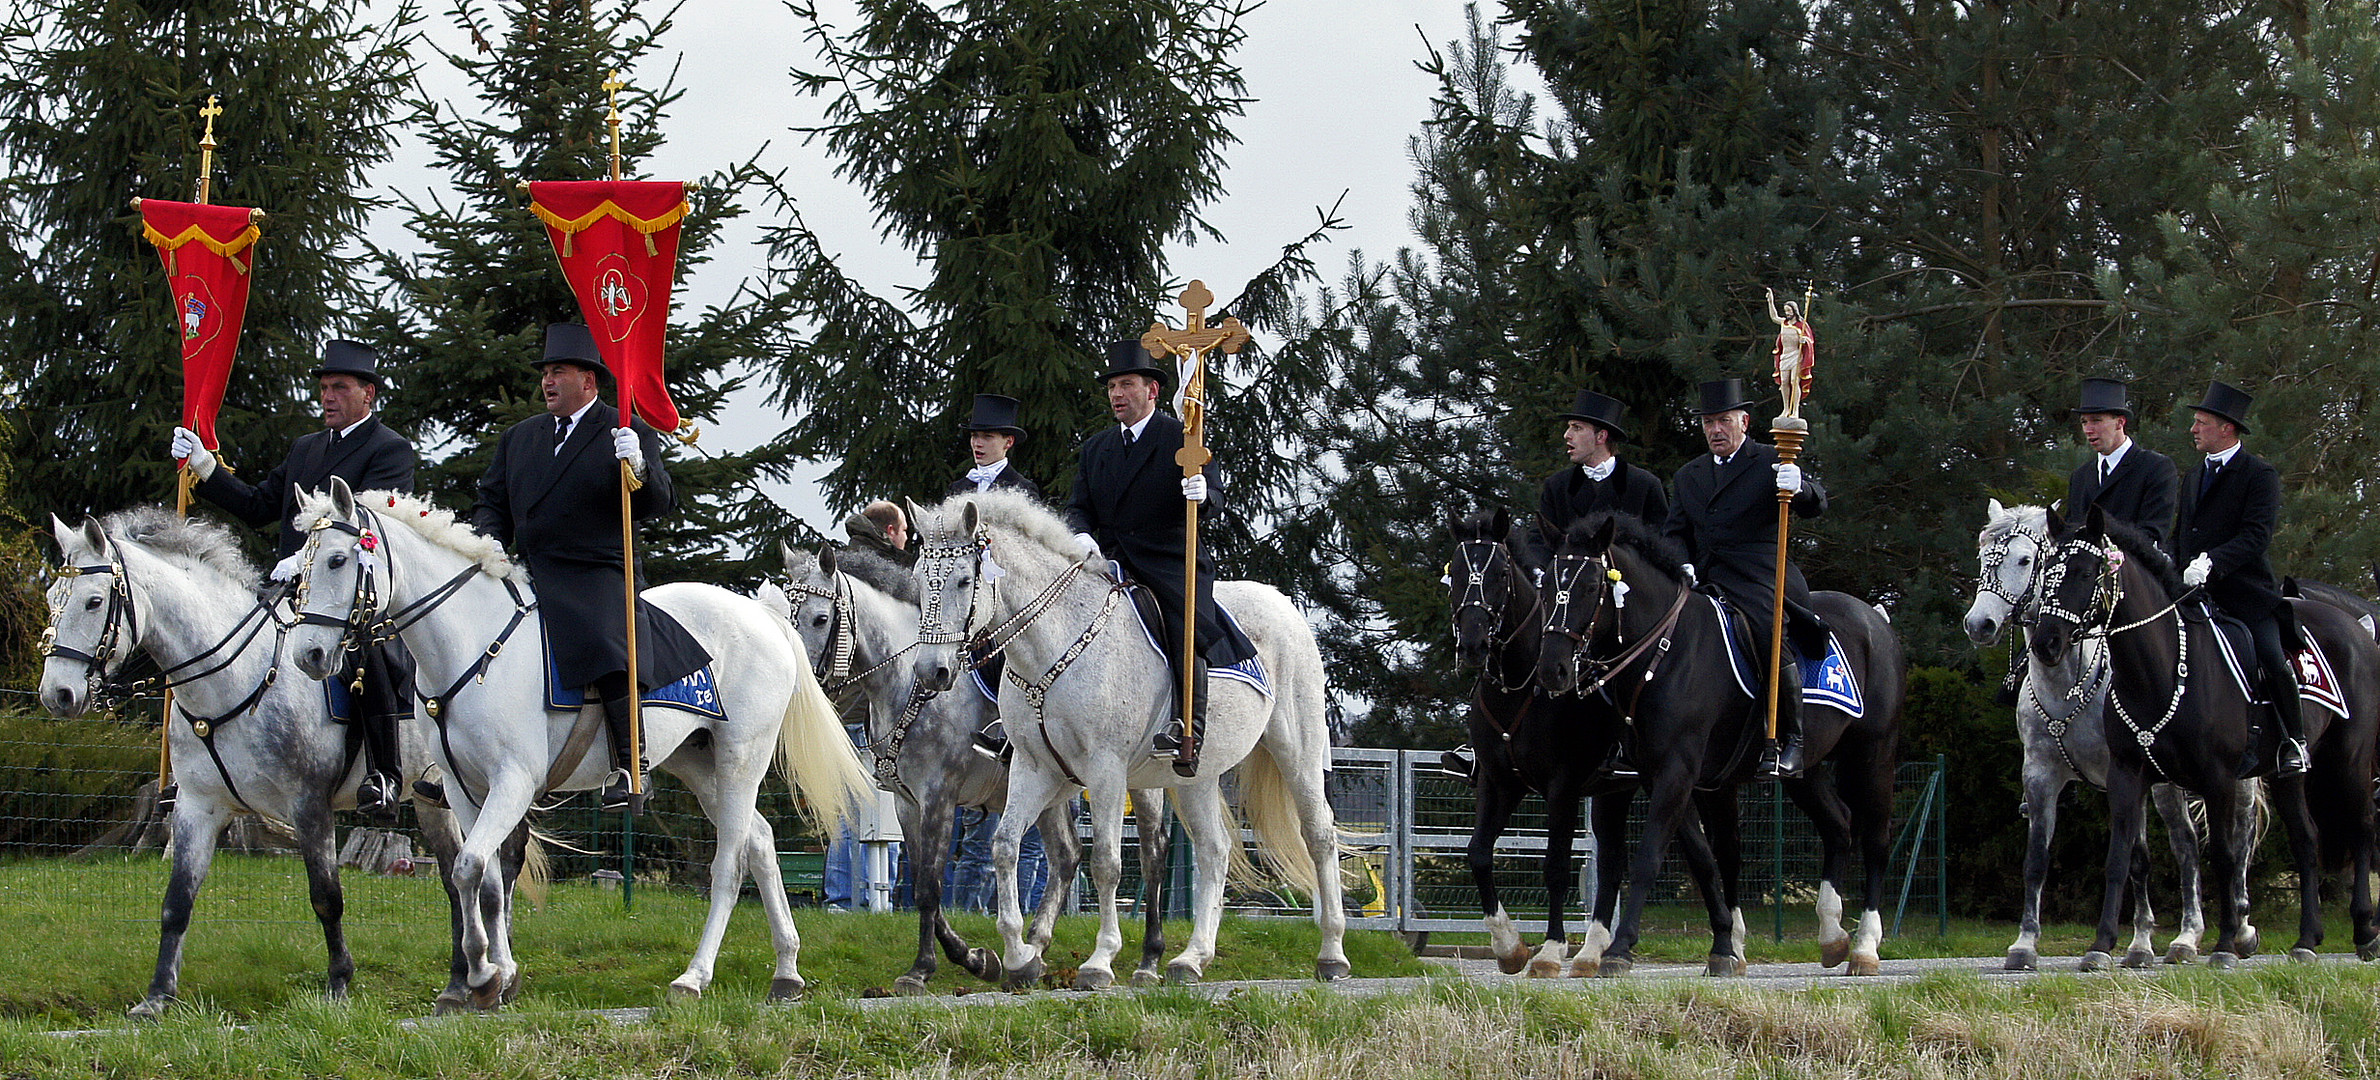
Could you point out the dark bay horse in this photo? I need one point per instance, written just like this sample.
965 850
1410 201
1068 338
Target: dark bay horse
2175 714
1621 620
1552 745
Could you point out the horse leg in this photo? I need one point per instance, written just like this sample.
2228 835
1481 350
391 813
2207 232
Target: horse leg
1864 782
1561 830
926 824
1062 854
1494 800
2043 785
760 858
1211 836
1715 814
197 824
487 928
1667 808
1607 820
2181 836
1156 850
1833 822
2289 800
2143 950
727 788
1030 791
1727 943
2359 862
1319 829
2124 811
1107 871
316 844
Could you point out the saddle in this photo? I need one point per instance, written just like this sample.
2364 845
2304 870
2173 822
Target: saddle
696 693
1232 658
1827 680
2317 683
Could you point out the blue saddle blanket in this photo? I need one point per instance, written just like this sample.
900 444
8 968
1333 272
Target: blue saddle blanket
695 693
338 700
1826 681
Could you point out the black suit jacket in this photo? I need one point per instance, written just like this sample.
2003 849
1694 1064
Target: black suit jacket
2140 493
370 458
2232 524
1129 498
560 512
1008 478
1570 496
1726 519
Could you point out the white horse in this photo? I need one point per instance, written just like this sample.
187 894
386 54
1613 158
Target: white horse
857 614
2058 721
1083 693
383 563
241 739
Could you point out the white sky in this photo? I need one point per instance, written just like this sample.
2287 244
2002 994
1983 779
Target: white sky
1336 97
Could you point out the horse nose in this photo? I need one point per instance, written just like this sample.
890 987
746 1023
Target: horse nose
2049 643
938 678
310 660
61 701
1981 629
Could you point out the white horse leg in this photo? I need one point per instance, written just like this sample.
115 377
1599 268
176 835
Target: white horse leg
2043 783
487 922
1030 791
1107 869
1322 843
2143 950
729 805
2181 836
197 823
1865 944
760 860
1205 818
1834 944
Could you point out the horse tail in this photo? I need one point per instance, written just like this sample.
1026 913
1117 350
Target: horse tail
813 750
537 871
1265 799
2254 797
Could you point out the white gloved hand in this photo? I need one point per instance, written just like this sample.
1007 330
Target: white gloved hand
287 569
628 448
2198 571
1194 488
1691 580
1090 546
187 446
1789 478
1537 577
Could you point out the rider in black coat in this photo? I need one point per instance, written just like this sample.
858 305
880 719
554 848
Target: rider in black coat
356 447
2229 506
991 433
2130 482
1723 512
1599 480
552 494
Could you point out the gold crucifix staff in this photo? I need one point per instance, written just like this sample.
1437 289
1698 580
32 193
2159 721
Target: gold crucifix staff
1794 366
1190 346
628 485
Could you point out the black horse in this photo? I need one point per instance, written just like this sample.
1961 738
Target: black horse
1552 745
2174 713
1622 624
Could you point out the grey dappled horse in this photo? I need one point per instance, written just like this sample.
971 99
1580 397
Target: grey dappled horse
179 590
1085 691
857 615
384 563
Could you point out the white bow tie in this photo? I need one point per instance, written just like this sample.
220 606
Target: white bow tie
1600 473
983 475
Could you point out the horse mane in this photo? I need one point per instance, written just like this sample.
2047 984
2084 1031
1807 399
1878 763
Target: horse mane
440 527
1009 509
2012 520
195 540
2138 547
878 572
1631 533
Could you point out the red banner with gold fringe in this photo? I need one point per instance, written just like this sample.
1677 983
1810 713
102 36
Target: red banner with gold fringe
207 255
618 242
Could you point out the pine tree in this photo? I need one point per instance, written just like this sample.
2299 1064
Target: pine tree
1037 154
99 104
463 319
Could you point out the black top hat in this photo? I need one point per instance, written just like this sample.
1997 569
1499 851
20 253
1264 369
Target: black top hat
994 413
1723 395
1600 410
350 358
572 343
1129 358
2103 396
2226 401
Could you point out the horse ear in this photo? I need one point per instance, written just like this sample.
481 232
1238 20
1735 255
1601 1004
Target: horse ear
94 538
64 534
1997 511
1454 523
1603 535
1500 525
915 513
2056 521
2097 521
342 498
826 559
969 518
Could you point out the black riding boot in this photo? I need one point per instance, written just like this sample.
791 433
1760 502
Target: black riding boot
616 795
1170 743
377 709
1783 759
2290 759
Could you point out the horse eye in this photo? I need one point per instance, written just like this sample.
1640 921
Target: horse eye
818 619
337 560
962 582
91 604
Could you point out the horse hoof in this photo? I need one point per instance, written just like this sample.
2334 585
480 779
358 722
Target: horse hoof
2222 961
1720 967
2303 956
1586 967
2180 953
792 989
512 987
1617 967
2095 960
1511 963
2364 950
685 990
1023 978
2249 938
1539 968
981 962
2139 958
1863 965
451 1002
2018 959
1144 977
1830 953
1180 973
1324 970
1090 978
154 1008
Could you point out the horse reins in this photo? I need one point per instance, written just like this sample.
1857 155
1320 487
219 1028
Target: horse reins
835 659
2107 591
1474 595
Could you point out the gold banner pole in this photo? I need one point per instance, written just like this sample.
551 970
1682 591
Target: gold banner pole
1190 346
184 479
628 485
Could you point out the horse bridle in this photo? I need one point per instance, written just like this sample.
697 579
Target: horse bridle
120 628
1988 579
2107 591
1474 596
834 662
1655 641
1567 574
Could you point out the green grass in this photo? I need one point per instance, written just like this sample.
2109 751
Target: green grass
254 947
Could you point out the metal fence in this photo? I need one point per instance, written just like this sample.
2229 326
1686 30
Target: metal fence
76 789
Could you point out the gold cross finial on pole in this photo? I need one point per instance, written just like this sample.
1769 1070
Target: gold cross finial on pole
611 89
206 149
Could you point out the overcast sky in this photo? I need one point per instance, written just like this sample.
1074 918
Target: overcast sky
1336 97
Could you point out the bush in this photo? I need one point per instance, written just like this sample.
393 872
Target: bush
65 782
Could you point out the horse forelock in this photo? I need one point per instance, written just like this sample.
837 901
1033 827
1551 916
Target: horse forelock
1006 510
437 526
2011 521
1630 533
1479 525
2143 552
190 541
